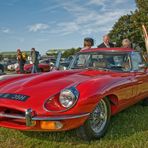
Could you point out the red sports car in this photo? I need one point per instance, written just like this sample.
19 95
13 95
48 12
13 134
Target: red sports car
28 67
99 84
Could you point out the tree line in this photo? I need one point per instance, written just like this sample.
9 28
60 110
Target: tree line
130 26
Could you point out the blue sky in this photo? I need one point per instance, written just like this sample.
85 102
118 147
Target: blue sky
47 24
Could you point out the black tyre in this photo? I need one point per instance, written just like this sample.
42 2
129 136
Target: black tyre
145 102
96 125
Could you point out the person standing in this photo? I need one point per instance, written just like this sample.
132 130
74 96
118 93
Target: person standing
126 43
35 60
21 61
106 42
88 43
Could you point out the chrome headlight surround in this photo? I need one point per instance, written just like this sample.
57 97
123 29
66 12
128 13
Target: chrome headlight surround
68 97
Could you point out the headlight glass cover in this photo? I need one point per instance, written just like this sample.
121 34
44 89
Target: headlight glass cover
68 97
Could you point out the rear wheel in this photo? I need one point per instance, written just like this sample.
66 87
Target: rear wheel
96 125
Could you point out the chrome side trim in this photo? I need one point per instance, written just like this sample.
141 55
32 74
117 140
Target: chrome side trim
11 116
66 117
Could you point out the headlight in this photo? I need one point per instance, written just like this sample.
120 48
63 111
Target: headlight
62 101
68 97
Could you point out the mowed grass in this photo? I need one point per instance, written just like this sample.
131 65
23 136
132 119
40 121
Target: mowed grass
128 129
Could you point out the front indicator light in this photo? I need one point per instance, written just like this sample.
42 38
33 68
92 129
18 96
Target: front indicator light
51 125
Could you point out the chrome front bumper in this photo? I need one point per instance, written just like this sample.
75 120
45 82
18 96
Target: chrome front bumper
30 118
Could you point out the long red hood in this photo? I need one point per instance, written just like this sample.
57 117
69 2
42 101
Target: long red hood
40 87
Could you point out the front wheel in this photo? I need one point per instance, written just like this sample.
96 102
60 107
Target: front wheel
96 125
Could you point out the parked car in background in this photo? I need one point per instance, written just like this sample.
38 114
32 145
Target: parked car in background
66 63
1 69
5 63
45 65
12 67
28 68
99 83
45 61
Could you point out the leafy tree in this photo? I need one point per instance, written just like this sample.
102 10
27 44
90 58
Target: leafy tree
121 29
142 5
70 52
129 26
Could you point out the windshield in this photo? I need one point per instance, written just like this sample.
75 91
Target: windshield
99 60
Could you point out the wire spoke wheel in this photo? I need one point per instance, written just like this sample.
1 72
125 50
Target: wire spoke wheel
96 125
98 117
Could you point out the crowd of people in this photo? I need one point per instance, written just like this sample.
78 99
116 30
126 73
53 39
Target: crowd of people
22 57
88 43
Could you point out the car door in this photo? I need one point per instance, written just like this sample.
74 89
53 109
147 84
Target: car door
140 75
126 89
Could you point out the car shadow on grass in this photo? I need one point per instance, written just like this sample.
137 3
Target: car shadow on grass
124 124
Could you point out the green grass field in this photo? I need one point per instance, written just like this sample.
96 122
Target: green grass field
128 129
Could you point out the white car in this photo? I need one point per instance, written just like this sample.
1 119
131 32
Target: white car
12 67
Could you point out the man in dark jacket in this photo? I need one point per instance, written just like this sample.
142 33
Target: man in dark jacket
35 60
106 42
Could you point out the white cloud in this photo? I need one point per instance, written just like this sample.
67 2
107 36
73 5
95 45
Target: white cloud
86 19
51 8
97 2
38 27
106 3
11 3
5 30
